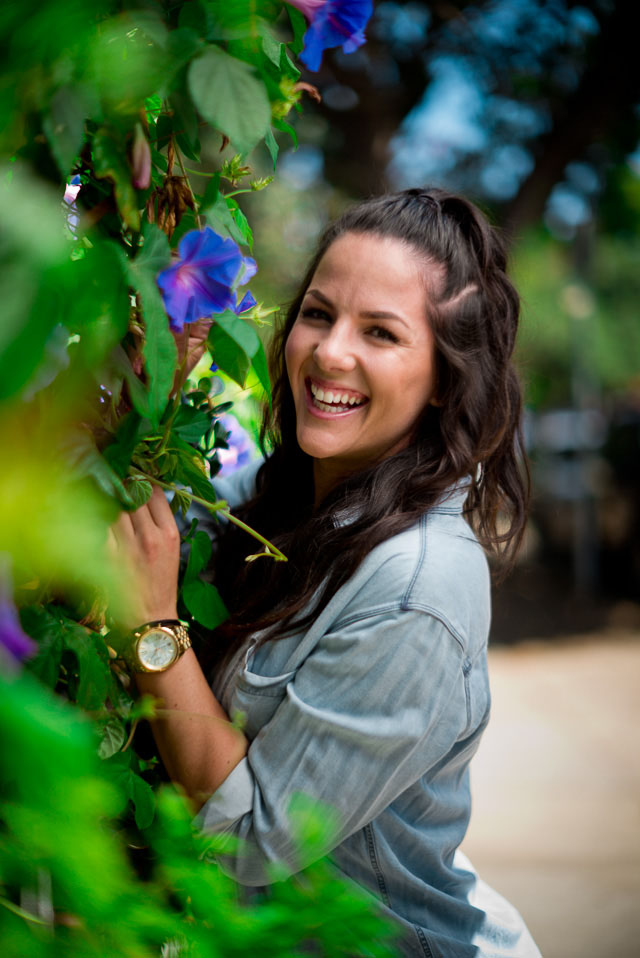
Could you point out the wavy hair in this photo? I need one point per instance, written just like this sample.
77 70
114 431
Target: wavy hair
472 434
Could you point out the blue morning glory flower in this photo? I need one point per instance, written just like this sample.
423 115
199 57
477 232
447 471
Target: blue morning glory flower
242 449
248 301
15 645
203 280
332 23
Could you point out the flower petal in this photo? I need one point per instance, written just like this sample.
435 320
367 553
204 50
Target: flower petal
336 23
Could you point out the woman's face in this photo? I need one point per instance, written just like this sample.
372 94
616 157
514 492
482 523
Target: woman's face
360 355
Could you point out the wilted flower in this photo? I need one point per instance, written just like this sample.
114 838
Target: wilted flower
140 159
15 645
167 203
203 279
241 449
332 23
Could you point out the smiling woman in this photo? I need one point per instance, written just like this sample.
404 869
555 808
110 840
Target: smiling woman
360 664
360 356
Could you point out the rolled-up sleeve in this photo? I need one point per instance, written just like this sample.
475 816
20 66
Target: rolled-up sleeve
379 702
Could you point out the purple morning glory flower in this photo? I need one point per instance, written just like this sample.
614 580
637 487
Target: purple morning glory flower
332 23
15 645
241 449
203 279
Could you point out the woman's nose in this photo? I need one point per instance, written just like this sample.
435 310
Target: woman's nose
335 348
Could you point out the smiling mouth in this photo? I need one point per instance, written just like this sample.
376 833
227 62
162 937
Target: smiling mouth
334 400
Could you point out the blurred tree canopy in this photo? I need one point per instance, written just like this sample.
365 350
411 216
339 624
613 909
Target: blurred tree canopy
494 98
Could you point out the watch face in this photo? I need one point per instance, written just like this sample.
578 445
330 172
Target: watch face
157 649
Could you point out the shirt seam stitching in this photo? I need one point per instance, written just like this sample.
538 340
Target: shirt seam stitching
411 606
375 864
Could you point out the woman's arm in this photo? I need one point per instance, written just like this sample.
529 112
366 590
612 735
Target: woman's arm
198 744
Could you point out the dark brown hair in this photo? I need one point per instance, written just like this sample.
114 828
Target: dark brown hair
473 434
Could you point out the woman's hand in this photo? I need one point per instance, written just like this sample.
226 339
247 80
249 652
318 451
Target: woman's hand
147 543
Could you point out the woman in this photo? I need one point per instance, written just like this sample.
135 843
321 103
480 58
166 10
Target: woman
360 665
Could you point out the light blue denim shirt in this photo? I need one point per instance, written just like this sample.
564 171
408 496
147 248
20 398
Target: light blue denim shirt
377 709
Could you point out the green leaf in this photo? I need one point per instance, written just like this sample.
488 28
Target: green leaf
113 737
299 27
164 129
155 252
271 48
261 367
210 195
110 162
272 145
185 124
159 350
140 490
287 66
144 801
182 45
64 126
199 556
204 603
180 502
230 97
235 347
221 220
241 222
93 664
137 392
190 423
45 629
228 355
87 461
190 474
131 429
286 128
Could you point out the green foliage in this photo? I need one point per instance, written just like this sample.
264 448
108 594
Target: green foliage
568 324
96 857
230 97
79 891
91 387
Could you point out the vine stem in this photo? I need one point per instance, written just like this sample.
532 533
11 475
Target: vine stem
223 509
196 207
21 913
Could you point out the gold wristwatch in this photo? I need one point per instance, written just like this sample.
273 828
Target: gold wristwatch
157 645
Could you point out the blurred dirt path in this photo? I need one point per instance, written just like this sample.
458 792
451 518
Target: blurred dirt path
556 789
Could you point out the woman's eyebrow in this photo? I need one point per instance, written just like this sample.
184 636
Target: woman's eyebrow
366 314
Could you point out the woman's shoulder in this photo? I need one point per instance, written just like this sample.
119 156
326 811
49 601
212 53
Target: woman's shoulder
437 567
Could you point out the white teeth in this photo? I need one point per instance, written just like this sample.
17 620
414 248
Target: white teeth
330 400
326 407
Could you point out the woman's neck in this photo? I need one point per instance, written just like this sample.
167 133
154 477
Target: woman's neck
326 476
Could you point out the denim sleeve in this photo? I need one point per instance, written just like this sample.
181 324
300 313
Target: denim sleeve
376 705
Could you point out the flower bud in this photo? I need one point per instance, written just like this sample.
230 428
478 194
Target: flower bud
140 159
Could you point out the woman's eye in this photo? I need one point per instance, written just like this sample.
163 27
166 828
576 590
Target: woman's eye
381 332
313 312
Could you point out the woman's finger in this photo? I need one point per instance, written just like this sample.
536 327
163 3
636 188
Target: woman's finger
122 530
160 510
142 520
